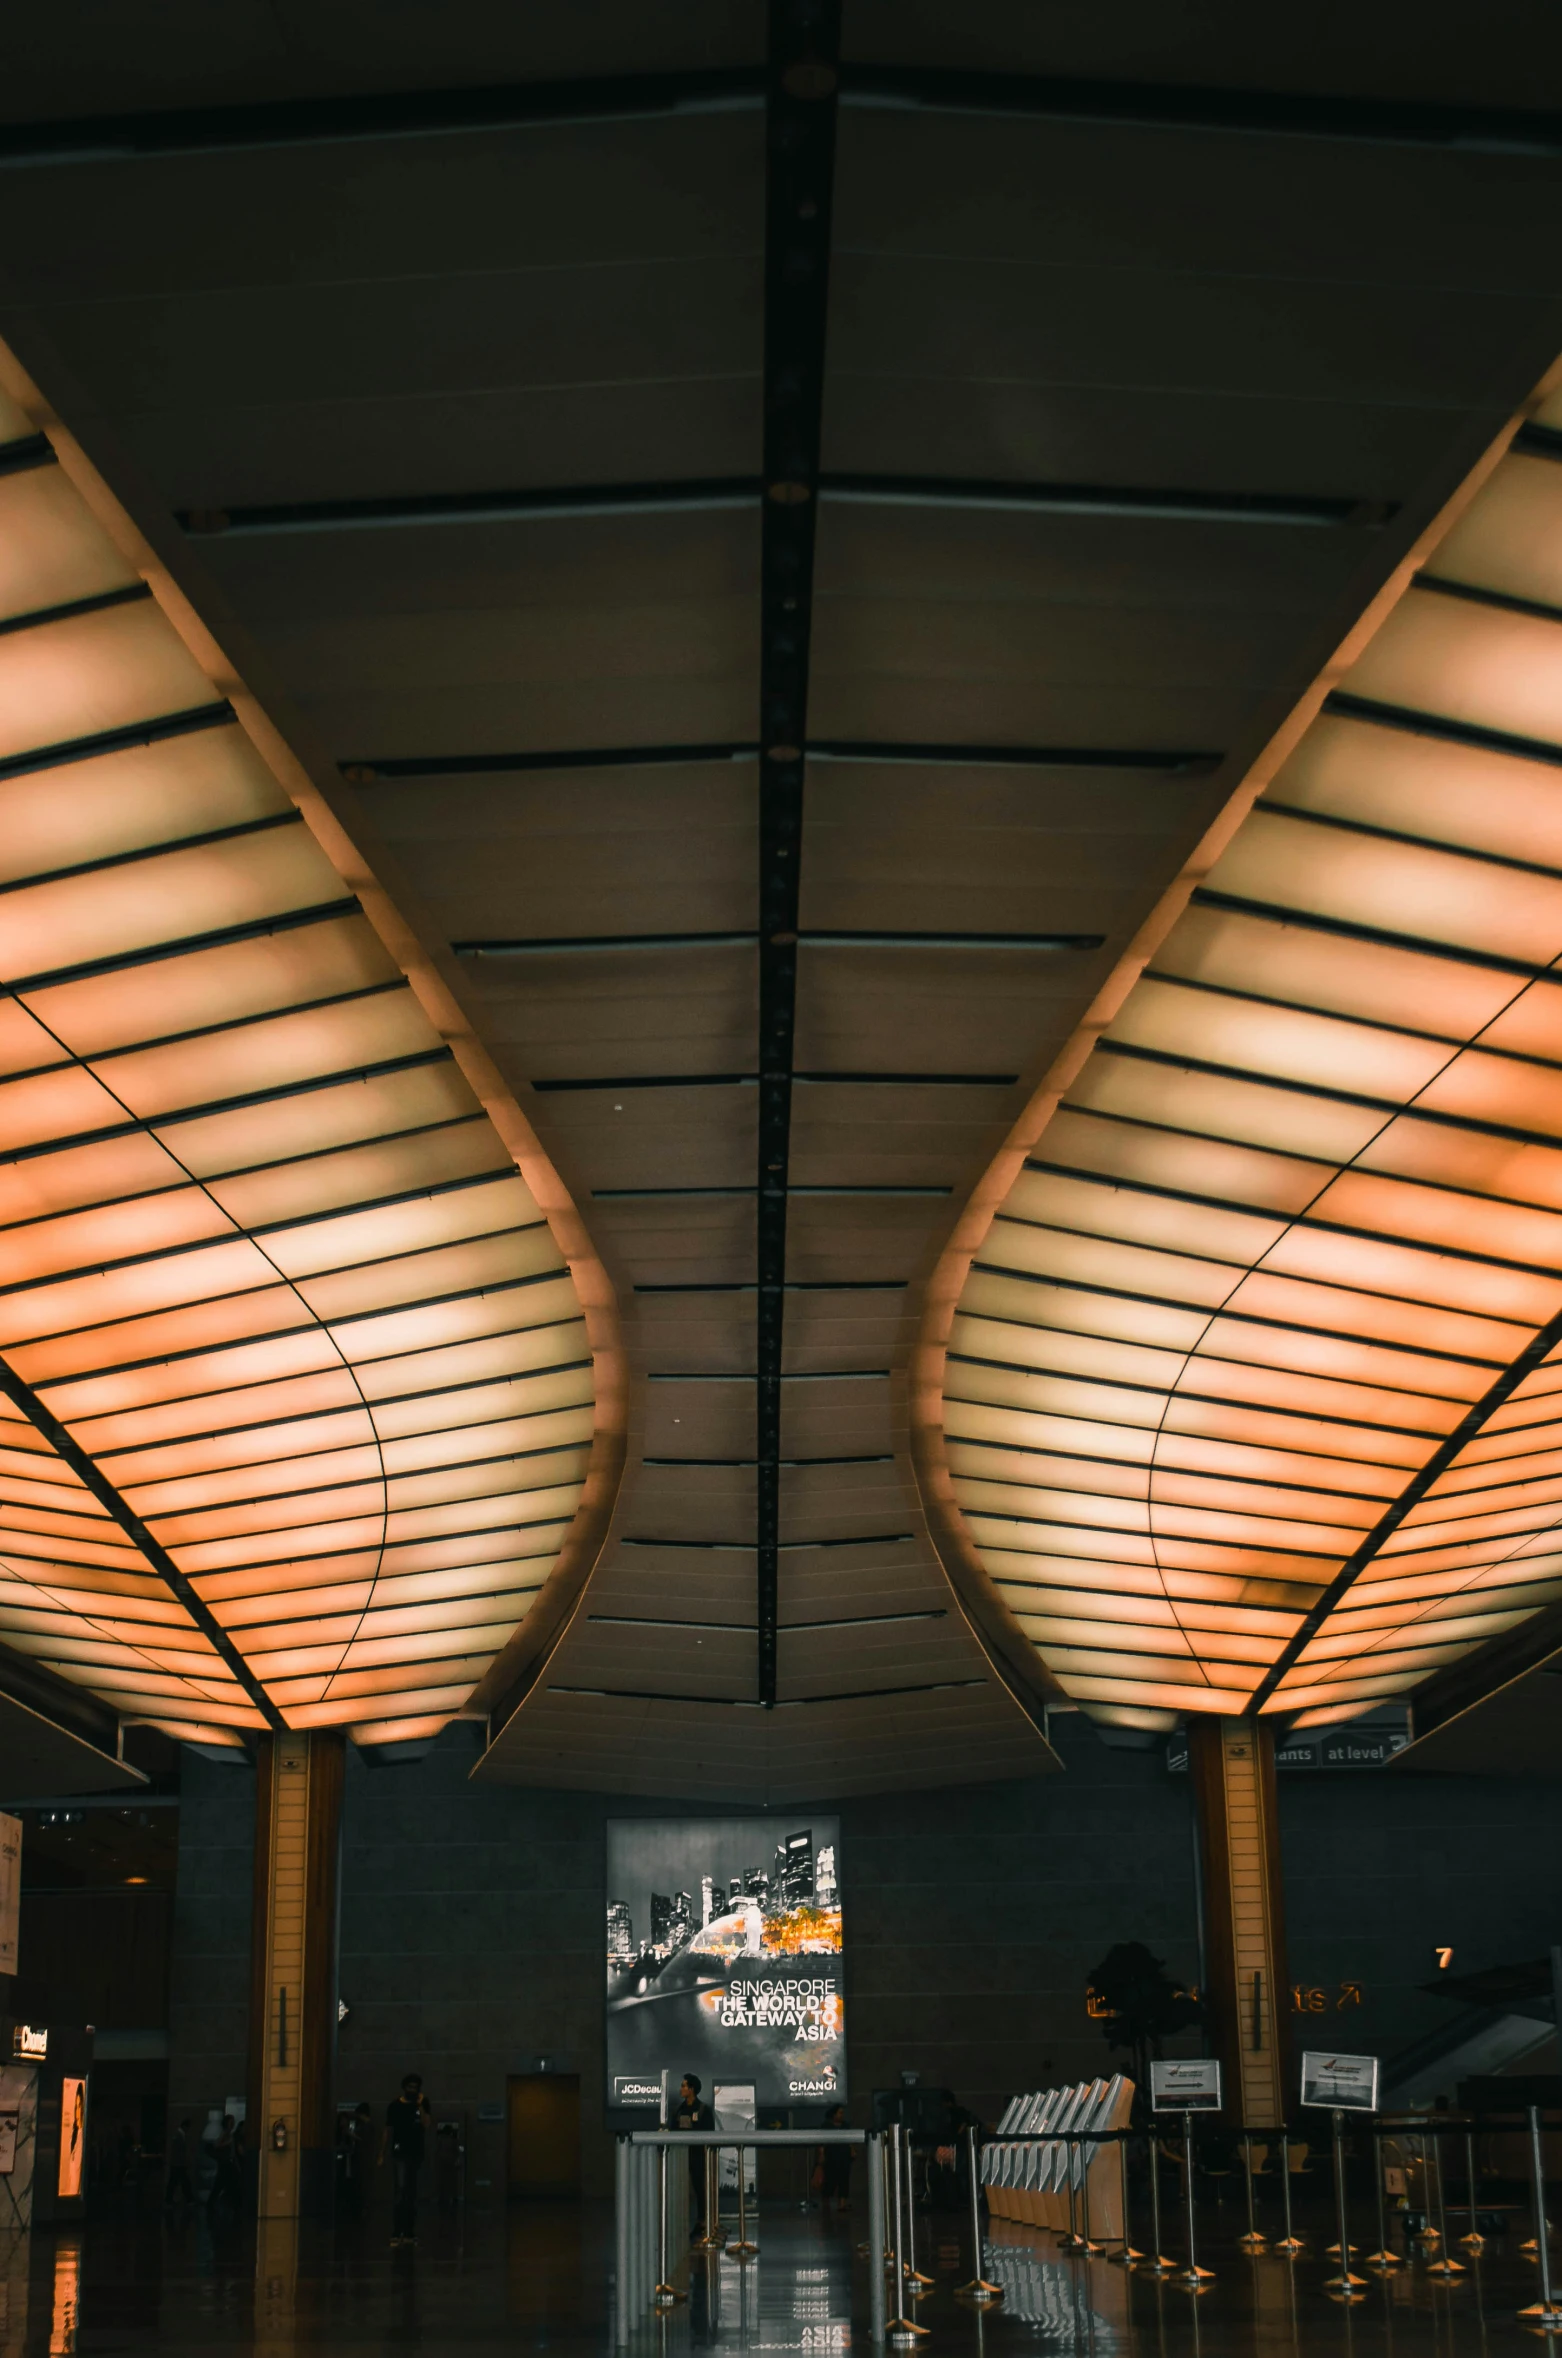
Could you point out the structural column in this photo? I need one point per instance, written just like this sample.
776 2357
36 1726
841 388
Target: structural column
1247 1993
293 1985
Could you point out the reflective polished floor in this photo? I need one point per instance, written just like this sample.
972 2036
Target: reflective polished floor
539 2277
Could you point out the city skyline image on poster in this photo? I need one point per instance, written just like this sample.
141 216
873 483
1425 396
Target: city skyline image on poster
725 1955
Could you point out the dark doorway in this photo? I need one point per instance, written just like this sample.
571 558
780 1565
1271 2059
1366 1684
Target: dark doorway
544 2133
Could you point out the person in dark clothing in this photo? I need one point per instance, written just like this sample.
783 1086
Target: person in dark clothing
179 2188
407 2118
833 2176
692 2113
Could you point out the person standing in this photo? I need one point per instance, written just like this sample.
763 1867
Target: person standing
693 2113
407 2118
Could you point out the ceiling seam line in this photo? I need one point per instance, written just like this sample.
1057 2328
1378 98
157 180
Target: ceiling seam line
801 80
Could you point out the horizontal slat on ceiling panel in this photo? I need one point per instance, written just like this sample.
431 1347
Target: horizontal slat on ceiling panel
629 851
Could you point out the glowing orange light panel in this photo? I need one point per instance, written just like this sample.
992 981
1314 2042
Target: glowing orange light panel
1254 1393
269 1277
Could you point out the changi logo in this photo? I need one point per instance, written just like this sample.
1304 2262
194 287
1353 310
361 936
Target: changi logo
824 2087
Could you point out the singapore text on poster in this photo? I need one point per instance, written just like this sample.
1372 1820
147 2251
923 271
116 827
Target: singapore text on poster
724 1957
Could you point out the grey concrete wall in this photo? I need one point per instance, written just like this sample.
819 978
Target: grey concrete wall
472 1928
472 1919
208 1997
1379 1868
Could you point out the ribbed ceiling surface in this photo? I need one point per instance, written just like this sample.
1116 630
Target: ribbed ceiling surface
786 526
297 1393
1252 1394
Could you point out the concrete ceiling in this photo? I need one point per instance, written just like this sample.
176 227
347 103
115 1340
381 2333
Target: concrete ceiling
1144 360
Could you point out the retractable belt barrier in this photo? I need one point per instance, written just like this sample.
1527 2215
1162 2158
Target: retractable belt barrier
652 2209
1058 2160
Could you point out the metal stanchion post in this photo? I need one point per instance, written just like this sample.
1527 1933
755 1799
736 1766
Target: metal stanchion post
978 2289
1446 2265
1157 2262
710 2234
743 2249
1348 2287
1086 2157
621 2153
666 2292
875 2243
1428 2229
900 2327
1127 2256
1475 2241
1382 2259
1193 2276
1252 2241
1289 2241
1070 2241
920 2284
877 2169
1544 2311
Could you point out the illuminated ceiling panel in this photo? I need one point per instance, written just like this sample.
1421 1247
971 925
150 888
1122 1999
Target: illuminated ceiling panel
298 1390
1253 1393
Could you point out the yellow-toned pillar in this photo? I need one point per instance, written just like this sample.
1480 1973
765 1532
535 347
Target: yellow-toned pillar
1247 1994
293 1994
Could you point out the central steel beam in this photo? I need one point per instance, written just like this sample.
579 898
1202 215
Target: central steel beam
88 1472
802 76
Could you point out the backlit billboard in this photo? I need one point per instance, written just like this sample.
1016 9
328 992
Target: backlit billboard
724 1958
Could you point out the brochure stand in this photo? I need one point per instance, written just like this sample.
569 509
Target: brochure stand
1187 2088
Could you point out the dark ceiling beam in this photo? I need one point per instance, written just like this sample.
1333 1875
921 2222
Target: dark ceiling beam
1176 504
1414 723
70 1707
1468 1428
573 502
156 1557
800 123
1176 762
1477 1676
1419 945
841 1080
1170 106
380 114
565 944
535 504
401 114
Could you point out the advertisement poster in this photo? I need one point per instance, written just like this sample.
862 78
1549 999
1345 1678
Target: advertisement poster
73 2135
724 1957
